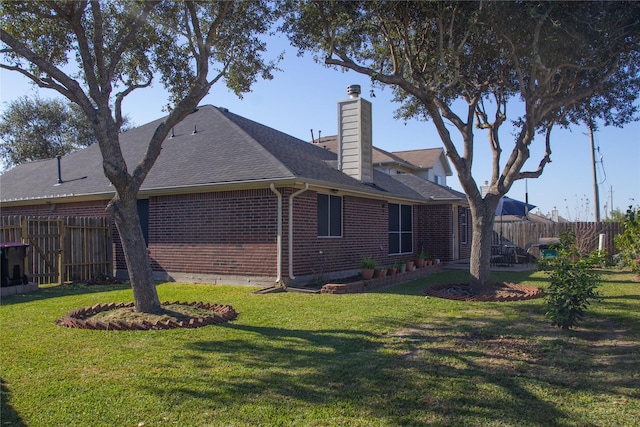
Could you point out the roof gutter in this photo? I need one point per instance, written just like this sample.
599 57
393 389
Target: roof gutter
444 199
224 186
297 193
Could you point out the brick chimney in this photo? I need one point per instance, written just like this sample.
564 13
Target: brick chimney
355 136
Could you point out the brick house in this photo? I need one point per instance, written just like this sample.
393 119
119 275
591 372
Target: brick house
232 201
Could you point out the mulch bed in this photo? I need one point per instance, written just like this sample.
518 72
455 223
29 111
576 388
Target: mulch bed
81 318
498 292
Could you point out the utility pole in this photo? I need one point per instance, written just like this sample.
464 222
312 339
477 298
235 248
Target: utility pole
595 175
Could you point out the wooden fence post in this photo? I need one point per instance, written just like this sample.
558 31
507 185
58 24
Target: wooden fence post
61 266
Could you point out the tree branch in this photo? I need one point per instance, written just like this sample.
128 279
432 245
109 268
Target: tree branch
546 158
120 45
98 45
122 94
66 86
87 63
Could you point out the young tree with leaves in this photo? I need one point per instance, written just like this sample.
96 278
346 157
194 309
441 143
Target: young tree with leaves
465 63
628 242
573 281
38 129
121 47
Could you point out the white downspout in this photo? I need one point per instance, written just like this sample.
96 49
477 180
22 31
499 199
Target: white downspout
297 193
279 238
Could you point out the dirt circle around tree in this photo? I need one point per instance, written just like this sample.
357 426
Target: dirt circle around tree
122 316
497 292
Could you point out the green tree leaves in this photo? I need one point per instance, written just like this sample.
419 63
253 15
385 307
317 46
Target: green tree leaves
38 129
573 282
629 241
97 53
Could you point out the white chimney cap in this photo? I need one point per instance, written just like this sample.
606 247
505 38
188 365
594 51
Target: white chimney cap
353 91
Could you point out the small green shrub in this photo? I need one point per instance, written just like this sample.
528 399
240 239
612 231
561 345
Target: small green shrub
573 282
368 262
628 242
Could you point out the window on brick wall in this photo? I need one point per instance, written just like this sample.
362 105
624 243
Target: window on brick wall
329 216
463 226
400 229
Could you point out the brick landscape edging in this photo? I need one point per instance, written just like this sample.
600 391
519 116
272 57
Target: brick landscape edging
77 318
378 283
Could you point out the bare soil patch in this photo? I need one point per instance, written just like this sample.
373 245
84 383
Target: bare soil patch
497 292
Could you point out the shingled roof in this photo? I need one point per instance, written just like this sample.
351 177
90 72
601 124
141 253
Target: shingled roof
421 159
224 149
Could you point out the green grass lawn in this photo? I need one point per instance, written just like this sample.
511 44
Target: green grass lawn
389 358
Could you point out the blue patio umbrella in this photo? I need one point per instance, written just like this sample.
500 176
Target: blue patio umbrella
509 206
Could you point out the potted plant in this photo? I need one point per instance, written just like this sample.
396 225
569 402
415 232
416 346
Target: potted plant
410 265
368 265
402 266
380 272
422 259
393 270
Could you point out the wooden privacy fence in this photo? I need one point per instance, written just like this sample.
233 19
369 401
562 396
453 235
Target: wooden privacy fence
525 233
62 249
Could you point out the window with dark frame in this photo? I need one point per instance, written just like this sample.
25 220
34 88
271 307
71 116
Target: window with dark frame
400 229
329 216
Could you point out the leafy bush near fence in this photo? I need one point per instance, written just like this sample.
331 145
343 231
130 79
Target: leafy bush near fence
628 242
573 282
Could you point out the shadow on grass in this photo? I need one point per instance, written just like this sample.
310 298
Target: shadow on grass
418 286
400 380
616 275
67 289
8 415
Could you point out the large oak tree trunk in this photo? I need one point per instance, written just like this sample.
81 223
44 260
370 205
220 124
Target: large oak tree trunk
482 219
125 214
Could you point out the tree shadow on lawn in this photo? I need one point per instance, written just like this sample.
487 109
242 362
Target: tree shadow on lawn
486 362
418 286
8 415
67 289
614 274
401 379
599 358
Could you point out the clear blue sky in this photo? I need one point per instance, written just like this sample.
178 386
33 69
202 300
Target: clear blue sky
303 96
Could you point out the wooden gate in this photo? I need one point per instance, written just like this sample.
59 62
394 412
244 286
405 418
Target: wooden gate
62 249
45 239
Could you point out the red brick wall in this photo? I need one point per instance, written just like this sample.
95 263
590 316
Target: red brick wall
432 230
364 232
235 233
231 232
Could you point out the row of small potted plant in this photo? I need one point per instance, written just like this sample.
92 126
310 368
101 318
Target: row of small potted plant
370 266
